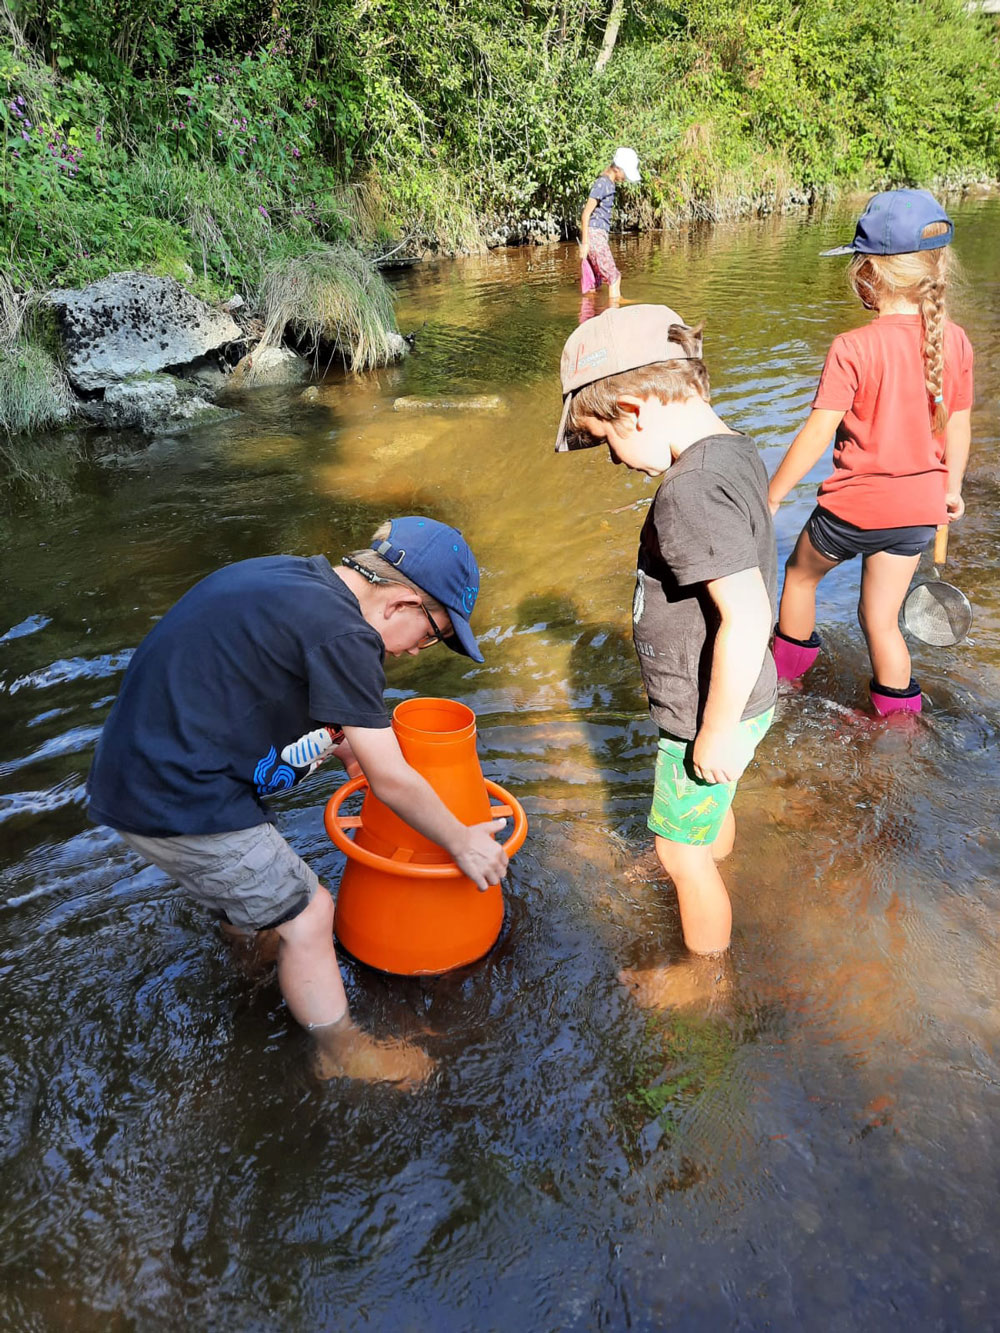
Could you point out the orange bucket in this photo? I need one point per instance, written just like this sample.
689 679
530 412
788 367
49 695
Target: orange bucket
403 905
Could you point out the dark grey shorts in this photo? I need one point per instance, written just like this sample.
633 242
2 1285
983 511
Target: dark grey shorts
838 540
251 877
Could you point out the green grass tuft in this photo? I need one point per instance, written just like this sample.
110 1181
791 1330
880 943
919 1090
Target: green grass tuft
330 296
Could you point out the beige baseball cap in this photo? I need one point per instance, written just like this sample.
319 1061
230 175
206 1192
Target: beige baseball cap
622 338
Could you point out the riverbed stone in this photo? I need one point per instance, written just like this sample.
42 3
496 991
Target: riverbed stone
130 323
482 402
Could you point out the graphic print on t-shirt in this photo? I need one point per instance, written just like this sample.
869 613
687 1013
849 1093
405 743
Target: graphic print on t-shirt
270 775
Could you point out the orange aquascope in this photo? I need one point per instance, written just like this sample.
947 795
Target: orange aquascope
403 905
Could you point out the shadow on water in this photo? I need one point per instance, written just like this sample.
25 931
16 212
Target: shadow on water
818 1150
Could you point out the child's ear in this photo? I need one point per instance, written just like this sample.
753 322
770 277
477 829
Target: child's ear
630 411
398 597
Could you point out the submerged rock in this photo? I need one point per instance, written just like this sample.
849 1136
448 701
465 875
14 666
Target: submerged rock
130 323
151 403
484 402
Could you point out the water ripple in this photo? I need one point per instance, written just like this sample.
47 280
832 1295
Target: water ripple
73 668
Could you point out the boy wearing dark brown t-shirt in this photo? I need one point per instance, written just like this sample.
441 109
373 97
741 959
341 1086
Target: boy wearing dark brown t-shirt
706 589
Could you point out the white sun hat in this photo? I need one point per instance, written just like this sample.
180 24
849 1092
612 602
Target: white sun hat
628 160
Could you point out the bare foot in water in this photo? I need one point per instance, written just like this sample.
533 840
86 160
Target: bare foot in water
344 1051
693 983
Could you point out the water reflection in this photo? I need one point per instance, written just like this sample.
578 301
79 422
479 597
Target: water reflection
818 1150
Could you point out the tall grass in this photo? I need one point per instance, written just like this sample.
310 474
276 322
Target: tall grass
34 392
330 297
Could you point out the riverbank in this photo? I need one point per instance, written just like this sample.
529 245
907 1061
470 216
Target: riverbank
223 153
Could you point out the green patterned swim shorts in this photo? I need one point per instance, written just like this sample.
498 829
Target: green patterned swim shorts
685 809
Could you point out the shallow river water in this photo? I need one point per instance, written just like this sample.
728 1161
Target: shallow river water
816 1150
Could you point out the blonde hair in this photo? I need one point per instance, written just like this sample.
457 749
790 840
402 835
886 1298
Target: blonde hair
670 381
387 573
920 276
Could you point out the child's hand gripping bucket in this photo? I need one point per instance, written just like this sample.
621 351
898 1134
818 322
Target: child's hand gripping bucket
403 905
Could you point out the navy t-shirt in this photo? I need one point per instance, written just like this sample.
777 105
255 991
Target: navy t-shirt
249 660
603 190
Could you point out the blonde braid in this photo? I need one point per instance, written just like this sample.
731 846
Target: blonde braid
932 312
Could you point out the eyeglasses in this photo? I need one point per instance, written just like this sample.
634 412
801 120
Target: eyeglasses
436 635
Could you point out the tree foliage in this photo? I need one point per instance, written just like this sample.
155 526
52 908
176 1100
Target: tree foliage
186 133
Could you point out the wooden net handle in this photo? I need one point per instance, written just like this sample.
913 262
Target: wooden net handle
941 545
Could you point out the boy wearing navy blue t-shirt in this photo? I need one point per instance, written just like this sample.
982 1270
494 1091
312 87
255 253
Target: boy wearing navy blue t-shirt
258 673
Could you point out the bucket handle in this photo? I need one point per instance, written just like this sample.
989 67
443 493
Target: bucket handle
338 824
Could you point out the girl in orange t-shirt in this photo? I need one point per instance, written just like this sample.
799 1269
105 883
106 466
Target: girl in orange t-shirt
898 395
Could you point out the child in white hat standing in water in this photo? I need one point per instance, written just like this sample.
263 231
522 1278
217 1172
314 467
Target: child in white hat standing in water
898 394
595 222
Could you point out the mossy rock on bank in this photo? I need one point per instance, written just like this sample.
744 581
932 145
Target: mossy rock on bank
153 404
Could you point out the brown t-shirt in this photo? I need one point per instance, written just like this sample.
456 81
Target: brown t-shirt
708 519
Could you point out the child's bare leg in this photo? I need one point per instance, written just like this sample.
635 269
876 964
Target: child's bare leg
308 973
725 838
805 568
706 912
884 581
311 983
615 291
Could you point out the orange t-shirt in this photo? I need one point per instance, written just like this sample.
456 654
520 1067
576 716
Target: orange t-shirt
889 469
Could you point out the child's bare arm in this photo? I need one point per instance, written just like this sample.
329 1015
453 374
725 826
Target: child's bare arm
588 209
720 754
957 439
408 794
804 452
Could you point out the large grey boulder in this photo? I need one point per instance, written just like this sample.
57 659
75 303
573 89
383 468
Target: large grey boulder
131 323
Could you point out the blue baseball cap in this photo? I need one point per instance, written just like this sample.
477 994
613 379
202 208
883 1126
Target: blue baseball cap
892 225
439 560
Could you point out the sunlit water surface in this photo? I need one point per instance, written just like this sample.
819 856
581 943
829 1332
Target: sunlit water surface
818 1150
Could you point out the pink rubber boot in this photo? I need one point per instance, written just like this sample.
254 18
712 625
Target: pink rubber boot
886 701
794 657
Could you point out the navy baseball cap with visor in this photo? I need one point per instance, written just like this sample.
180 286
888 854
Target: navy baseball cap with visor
893 223
437 559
